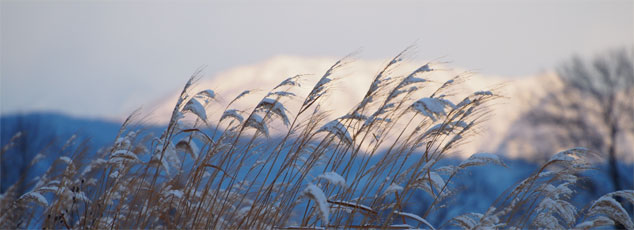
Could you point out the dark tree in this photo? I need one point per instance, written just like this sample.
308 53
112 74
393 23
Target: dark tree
591 104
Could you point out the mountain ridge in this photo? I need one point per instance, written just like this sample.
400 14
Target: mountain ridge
355 78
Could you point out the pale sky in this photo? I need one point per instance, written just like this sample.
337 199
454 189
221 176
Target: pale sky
107 58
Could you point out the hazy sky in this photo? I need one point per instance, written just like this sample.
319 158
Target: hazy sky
106 58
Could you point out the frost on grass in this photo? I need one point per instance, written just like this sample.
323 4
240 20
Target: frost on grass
314 193
333 178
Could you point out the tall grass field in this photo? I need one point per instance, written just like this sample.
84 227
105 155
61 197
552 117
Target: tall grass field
277 166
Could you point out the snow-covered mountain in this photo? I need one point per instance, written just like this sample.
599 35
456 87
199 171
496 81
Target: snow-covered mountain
354 81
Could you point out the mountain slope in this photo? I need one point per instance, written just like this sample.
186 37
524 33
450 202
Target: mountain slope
355 78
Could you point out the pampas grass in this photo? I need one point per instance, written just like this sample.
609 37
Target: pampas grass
278 167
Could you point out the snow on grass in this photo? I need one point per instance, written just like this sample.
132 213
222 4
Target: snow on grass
570 156
96 163
66 160
483 93
596 222
339 130
291 81
257 122
35 197
197 108
301 227
234 113
275 107
314 193
175 193
348 204
481 159
415 217
565 210
206 95
123 155
432 107
606 205
393 188
401 226
188 146
429 181
627 194
333 178
82 196
467 221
